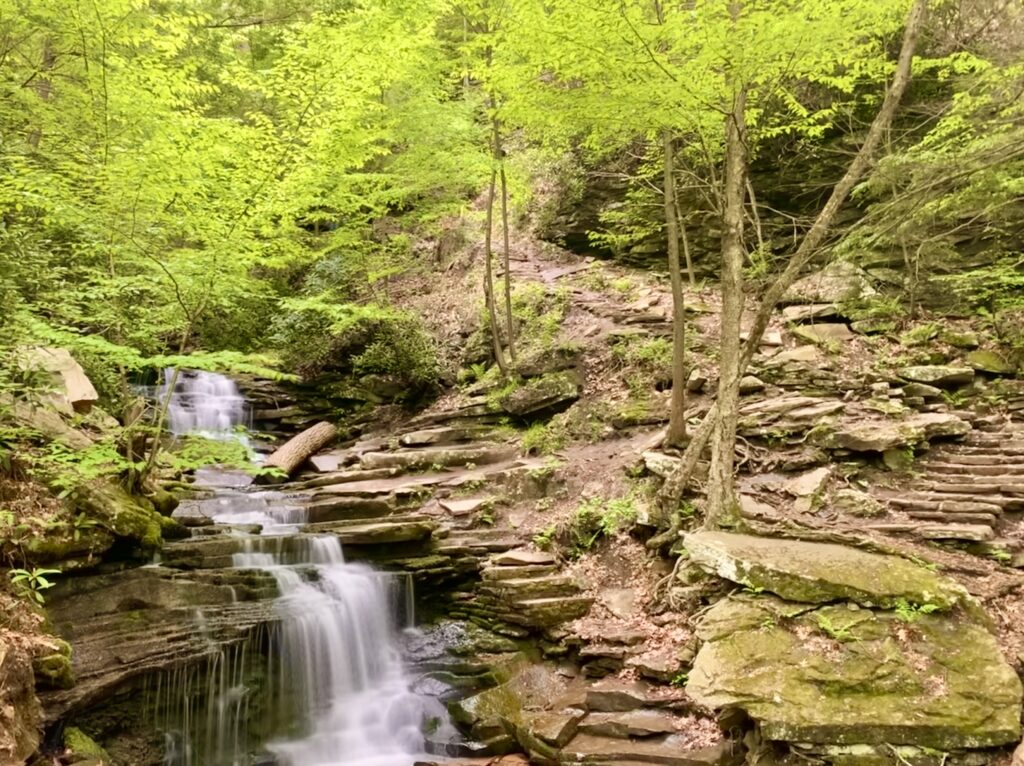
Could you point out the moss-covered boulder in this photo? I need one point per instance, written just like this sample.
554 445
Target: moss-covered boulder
843 675
942 375
820 572
52 665
547 394
990 362
113 509
82 749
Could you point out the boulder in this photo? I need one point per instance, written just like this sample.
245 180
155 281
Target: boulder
551 359
944 376
808 484
838 282
820 572
990 362
812 311
546 394
840 675
966 339
824 333
876 435
71 390
856 503
749 384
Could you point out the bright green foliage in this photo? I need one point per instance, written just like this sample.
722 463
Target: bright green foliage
32 582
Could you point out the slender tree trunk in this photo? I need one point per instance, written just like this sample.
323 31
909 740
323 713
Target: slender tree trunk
722 503
506 256
675 484
492 314
676 435
691 277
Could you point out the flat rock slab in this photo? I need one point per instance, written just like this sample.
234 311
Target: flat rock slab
614 695
633 723
938 375
672 750
842 676
522 558
820 572
880 435
464 506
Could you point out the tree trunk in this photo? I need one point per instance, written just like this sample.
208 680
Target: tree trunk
509 325
675 484
722 504
492 314
297 450
676 435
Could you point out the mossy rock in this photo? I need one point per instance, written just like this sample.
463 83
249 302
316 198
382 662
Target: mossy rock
124 516
546 394
53 669
842 675
820 572
83 749
990 362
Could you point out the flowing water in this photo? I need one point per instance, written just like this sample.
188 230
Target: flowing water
334 682
203 403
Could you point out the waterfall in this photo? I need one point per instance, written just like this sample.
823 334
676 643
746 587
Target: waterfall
339 660
204 403
334 690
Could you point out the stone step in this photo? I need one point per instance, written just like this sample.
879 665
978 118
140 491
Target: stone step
1016 470
548 612
971 532
670 750
940 503
985 460
1006 485
350 508
971 494
439 457
629 724
479 545
551 586
954 518
965 532
1006 448
376 533
343 477
515 573
522 557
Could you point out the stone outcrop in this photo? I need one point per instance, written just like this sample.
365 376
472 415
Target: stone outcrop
818 573
70 389
843 675
838 282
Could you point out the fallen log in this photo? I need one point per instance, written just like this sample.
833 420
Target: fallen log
297 450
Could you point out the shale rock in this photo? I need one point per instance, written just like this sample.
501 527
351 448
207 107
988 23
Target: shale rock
820 572
546 394
944 376
839 675
837 282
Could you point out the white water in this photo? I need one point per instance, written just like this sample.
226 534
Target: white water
336 670
204 403
339 660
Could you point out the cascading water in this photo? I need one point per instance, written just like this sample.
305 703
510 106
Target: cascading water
203 403
335 684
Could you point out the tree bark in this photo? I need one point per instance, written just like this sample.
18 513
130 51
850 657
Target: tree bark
492 314
509 324
672 490
297 450
722 504
676 434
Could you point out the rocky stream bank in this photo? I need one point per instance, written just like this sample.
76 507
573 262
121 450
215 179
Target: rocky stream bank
867 613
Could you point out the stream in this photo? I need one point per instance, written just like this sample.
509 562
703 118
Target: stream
336 683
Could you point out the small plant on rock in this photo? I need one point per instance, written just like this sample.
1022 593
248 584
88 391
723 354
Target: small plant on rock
32 582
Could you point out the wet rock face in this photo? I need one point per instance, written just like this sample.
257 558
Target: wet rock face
820 572
844 675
